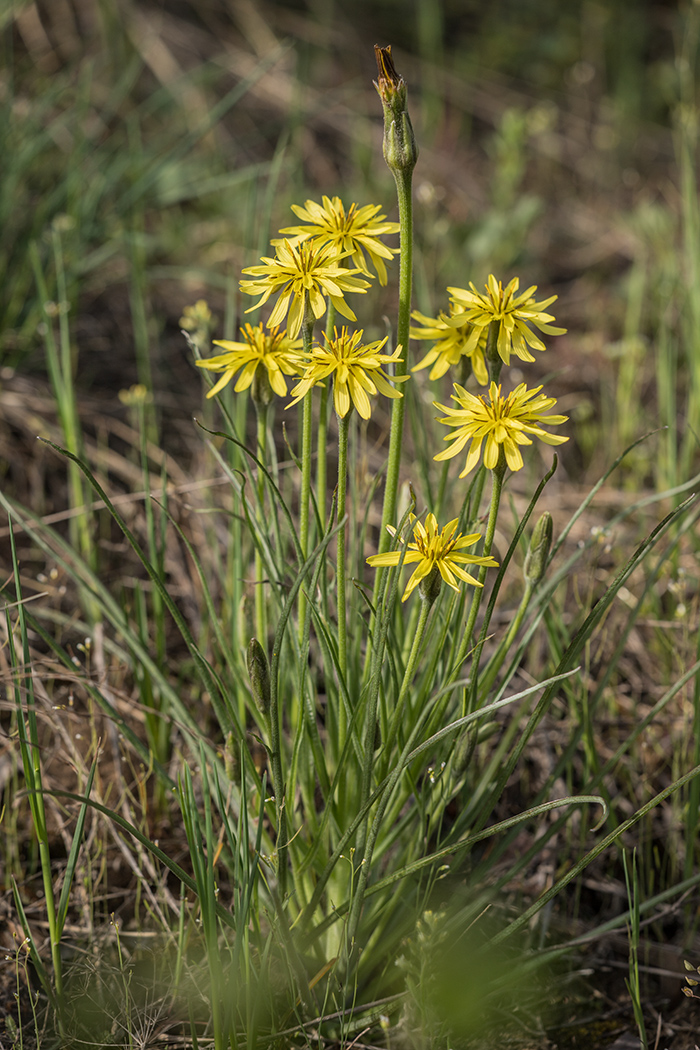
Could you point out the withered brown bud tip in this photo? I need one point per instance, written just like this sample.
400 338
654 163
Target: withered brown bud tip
385 65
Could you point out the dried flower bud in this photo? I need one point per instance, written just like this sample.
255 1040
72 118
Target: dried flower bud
538 551
259 673
400 150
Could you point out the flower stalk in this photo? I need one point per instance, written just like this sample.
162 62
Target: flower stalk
400 153
343 428
497 475
261 411
533 571
305 457
322 435
426 605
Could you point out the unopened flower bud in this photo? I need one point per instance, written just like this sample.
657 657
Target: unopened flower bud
259 673
260 390
464 749
429 586
400 150
538 551
231 757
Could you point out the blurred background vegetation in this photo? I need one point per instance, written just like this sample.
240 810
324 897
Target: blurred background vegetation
150 148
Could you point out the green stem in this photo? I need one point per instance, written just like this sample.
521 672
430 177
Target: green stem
403 179
403 189
367 840
322 440
496 662
340 576
260 611
305 497
425 608
497 475
279 789
322 461
474 502
441 490
343 427
492 356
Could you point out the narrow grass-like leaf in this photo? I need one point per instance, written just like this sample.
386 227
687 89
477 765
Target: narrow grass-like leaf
71 863
33 952
525 917
211 683
572 653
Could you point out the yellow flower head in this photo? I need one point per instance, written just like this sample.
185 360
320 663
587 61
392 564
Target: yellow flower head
452 343
352 232
356 368
303 274
435 551
515 313
197 323
136 395
197 316
274 350
505 422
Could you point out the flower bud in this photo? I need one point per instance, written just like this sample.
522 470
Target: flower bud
260 390
231 757
400 150
259 673
538 551
464 749
429 586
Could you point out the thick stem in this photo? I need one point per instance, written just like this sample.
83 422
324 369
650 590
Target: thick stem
322 458
403 189
260 610
322 438
343 427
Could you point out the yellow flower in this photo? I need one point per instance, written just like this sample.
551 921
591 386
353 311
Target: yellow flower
196 317
274 350
433 550
302 274
505 422
136 395
513 312
451 345
353 232
197 323
356 369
